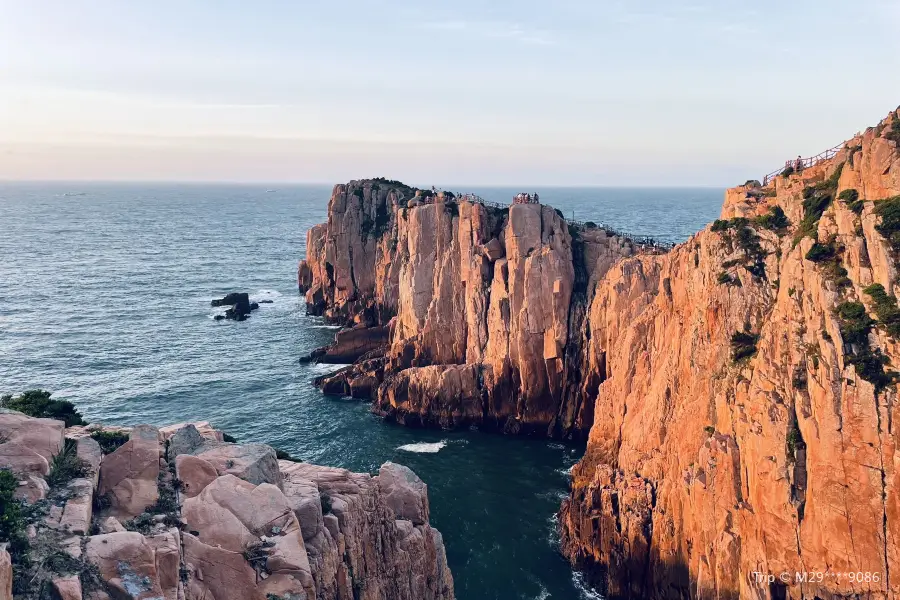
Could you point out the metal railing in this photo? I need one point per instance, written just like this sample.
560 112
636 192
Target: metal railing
803 163
644 242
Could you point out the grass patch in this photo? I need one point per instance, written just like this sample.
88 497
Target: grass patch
12 523
66 466
885 307
37 403
110 441
743 346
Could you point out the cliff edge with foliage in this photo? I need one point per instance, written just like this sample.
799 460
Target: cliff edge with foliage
747 422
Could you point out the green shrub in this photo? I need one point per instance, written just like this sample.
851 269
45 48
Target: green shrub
37 403
820 252
851 199
885 309
743 346
774 220
720 225
788 171
889 227
793 441
590 225
12 524
894 132
710 430
66 466
110 441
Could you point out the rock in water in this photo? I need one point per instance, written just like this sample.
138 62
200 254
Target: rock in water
241 307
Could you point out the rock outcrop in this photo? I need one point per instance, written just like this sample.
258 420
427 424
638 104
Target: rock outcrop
481 305
235 524
240 304
748 398
739 390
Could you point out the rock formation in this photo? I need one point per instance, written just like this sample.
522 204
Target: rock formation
480 303
179 514
240 304
740 390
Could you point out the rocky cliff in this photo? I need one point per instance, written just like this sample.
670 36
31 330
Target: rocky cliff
179 514
484 306
747 418
739 390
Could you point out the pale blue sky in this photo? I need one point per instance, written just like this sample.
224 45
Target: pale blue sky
577 92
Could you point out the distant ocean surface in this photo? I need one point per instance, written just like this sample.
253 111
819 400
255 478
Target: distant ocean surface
104 300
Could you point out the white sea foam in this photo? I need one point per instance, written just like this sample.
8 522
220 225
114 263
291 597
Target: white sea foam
584 591
325 367
424 448
543 594
325 327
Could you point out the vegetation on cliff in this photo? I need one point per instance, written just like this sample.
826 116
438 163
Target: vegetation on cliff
37 403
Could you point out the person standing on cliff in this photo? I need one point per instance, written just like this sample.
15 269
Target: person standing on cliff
798 164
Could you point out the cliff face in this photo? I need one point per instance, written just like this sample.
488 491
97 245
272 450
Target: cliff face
487 303
747 420
178 514
739 390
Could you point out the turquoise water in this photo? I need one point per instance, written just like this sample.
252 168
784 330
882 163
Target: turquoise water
104 299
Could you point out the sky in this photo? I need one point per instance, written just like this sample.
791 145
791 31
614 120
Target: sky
569 92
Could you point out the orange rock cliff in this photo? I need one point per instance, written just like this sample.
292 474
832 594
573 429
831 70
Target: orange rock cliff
738 392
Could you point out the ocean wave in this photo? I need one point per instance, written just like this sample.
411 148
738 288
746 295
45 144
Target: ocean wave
584 590
325 367
325 327
543 594
424 447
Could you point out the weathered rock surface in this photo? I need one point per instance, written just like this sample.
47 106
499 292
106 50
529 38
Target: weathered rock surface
241 525
485 301
128 475
28 444
704 469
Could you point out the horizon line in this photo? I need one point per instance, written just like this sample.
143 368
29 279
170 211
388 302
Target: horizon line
326 183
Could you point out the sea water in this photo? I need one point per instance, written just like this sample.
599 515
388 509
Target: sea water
105 296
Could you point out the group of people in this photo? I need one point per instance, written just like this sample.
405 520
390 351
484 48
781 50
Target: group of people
526 199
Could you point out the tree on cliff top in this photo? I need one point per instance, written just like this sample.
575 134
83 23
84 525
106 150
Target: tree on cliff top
37 403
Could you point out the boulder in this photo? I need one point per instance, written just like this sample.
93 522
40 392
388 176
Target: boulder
232 299
493 250
185 440
218 573
404 492
89 451
255 463
234 515
29 443
110 525
205 428
194 473
128 476
76 517
67 588
135 567
32 488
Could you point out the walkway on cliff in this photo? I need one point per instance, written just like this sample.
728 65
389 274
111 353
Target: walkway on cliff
799 164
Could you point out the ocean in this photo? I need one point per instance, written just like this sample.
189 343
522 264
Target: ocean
105 296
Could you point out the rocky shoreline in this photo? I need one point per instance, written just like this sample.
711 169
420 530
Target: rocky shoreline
737 393
178 513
